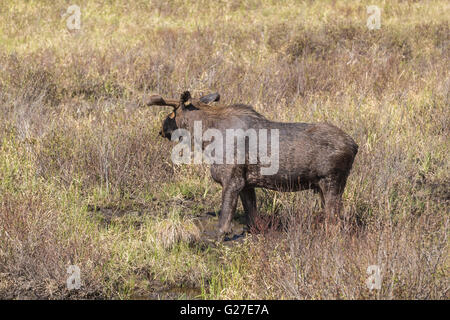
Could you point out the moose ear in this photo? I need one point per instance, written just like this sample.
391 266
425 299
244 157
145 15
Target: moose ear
212 97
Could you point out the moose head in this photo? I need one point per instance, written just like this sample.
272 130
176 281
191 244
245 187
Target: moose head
185 104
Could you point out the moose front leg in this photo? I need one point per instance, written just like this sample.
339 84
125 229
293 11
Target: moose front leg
229 202
230 193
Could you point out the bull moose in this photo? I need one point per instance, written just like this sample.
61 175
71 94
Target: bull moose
317 156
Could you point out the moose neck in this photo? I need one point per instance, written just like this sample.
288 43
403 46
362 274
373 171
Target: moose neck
194 118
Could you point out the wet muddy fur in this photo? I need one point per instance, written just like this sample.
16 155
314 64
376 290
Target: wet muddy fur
317 156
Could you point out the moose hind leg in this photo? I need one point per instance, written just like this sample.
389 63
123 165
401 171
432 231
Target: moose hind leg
322 198
332 190
248 199
333 205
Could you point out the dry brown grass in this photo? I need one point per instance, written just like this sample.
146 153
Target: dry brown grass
73 137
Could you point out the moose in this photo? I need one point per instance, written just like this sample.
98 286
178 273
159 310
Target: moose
317 156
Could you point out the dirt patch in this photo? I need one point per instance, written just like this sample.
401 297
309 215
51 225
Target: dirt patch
207 223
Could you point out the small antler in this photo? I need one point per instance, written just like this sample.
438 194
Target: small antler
157 100
185 96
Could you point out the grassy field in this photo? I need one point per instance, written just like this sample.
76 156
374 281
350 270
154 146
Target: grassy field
85 179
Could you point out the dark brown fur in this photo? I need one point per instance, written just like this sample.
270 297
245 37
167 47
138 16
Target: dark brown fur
317 156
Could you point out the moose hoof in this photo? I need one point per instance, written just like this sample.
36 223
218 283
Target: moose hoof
215 236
